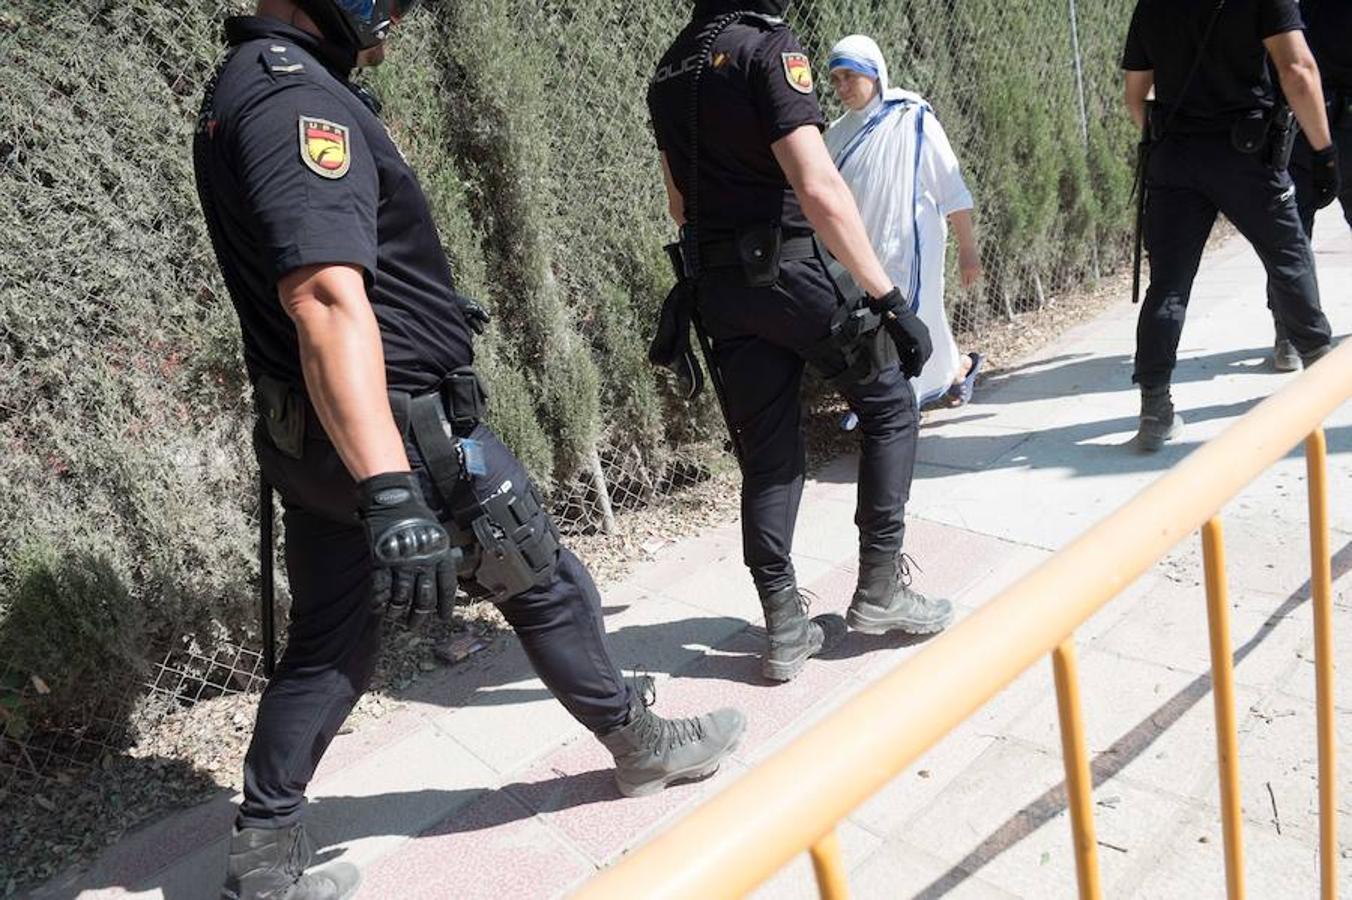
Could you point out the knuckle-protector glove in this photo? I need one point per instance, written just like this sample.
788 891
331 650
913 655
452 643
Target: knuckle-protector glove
414 563
906 330
1325 176
476 315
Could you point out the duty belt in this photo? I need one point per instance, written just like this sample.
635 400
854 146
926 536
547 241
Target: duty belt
436 419
725 255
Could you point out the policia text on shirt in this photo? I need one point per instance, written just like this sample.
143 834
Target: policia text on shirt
1218 140
371 430
735 113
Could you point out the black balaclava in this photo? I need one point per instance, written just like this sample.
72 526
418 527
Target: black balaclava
707 9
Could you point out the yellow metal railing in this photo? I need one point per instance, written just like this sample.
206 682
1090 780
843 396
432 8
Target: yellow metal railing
794 800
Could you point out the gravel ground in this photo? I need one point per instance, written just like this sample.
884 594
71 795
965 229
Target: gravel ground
182 756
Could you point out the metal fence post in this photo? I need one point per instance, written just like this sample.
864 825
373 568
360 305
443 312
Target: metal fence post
1084 114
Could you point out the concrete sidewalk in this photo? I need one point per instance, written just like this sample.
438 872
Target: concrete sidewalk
483 787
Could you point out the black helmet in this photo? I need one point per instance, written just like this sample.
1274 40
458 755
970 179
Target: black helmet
356 24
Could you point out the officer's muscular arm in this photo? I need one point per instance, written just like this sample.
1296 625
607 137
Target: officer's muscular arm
1299 75
675 202
344 366
1138 90
829 206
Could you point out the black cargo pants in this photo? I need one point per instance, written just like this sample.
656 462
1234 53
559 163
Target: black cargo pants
761 338
1192 177
333 639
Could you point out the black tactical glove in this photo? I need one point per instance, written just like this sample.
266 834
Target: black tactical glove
412 554
476 316
906 330
1325 176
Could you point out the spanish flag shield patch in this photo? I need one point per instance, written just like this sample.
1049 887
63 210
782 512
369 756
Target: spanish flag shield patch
798 72
325 147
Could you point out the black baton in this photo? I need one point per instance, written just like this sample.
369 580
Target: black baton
266 586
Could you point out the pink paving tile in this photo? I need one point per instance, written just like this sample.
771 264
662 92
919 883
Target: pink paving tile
494 848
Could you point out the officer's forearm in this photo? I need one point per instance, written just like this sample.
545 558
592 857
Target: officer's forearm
1138 85
1306 96
829 206
675 201
1299 75
835 218
344 366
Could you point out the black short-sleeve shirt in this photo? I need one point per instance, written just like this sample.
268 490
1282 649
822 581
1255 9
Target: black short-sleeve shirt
1165 36
1329 30
757 88
293 169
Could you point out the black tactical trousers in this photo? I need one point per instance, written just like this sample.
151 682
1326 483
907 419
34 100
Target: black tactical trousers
1190 179
1302 176
760 338
333 639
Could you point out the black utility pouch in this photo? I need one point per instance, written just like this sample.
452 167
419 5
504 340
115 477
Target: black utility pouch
758 251
281 406
466 399
1249 132
1281 139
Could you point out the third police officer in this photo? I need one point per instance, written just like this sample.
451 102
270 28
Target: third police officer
1328 28
1219 142
749 179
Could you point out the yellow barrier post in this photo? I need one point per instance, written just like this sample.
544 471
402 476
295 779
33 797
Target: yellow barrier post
1079 781
1223 692
1321 583
734 841
829 867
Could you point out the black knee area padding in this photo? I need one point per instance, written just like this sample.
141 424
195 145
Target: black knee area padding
518 543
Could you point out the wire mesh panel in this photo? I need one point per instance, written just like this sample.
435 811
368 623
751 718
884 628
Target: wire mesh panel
127 476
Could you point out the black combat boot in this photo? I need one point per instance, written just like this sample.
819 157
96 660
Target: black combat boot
269 864
1159 422
883 600
791 637
1314 356
652 752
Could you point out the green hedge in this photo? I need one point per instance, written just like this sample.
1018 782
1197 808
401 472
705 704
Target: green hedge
126 478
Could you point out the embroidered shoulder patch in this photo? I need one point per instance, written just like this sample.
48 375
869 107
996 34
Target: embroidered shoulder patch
325 147
798 72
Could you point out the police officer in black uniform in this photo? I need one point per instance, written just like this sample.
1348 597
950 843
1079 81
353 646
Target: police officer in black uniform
734 98
370 430
1328 29
1218 144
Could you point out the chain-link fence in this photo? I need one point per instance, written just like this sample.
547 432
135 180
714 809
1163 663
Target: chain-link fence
124 414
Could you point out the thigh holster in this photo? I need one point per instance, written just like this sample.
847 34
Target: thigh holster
857 349
508 542
518 543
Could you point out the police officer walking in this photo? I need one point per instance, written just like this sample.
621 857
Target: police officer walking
1219 143
1328 29
371 431
748 176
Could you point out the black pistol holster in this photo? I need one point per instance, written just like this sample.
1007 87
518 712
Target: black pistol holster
508 543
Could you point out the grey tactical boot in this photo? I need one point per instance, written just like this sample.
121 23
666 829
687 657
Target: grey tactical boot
1284 356
652 752
1159 422
269 864
791 637
884 601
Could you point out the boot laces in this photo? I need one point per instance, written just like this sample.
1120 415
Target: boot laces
904 562
660 733
300 852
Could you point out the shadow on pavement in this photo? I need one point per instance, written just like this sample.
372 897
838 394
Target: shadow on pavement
1123 751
